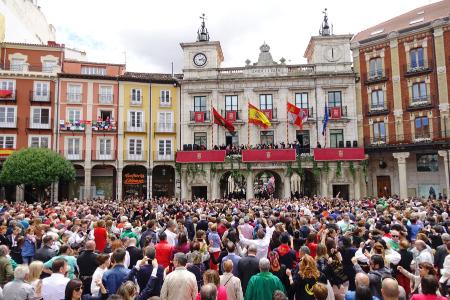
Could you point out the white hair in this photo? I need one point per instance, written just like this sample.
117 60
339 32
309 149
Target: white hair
264 265
21 272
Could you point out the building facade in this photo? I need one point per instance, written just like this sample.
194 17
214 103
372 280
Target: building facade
403 66
324 86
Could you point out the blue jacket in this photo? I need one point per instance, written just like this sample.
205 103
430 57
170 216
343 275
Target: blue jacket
28 248
113 278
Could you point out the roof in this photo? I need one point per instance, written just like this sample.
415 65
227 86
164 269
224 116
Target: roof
150 77
93 62
418 17
51 45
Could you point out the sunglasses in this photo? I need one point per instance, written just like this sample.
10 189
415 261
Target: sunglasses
77 289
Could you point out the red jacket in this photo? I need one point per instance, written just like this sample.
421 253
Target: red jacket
163 253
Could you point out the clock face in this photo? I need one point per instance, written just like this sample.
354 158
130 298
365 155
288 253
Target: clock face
200 59
333 54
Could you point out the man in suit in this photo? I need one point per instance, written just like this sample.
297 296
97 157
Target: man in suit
87 263
442 252
248 266
135 252
149 276
46 252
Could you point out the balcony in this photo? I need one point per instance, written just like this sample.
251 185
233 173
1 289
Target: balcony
74 98
234 116
33 125
72 125
200 117
165 127
418 68
376 76
135 127
421 102
101 126
73 154
377 110
39 97
201 156
96 155
163 157
7 95
25 67
106 99
337 113
143 156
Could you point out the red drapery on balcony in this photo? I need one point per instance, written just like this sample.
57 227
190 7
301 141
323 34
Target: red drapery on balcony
207 156
326 154
266 155
5 93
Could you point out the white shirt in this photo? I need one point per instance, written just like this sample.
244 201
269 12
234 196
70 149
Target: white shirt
171 237
262 245
98 275
54 287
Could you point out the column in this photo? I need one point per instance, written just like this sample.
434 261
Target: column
20 192
287 188
357 182
250 191
119 184
403 183
87 183
324 184
444 154
177 185
55 191
184 188
149 183
215 189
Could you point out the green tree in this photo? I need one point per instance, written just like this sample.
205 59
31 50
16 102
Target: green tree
37 167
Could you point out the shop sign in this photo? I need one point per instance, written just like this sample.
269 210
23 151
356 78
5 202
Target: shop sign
134 179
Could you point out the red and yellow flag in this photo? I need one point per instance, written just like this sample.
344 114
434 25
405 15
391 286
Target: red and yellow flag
257 117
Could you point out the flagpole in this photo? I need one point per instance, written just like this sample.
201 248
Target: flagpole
212 128
287 126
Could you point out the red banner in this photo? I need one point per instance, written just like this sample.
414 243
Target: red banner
334 154
336 112
207 156
268 155
231 116
199 116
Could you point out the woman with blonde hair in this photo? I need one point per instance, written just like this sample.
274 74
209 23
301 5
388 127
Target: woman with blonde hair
212 276
128 290
308 276
36 267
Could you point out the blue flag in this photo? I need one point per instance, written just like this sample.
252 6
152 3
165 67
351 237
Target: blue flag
325 120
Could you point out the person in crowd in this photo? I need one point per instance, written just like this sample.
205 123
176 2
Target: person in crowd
103 262
362 284
248 266
262 285
87 264
66 253
215 244
406 258
390 289
114 277
34 277
231 282
261 243
231 255
320 291
182 244
197 265
53 287
128 290
134 252
425 269
171 233
429 291
74 291
6 269
278 269
100 236
180 284
442 251
150 236
28 246
286 254
306 277
279 295
164 250
20 288
208 292
46 252
212 276
377 273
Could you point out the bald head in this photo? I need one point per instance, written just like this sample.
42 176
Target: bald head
389 289
252 250
90 245
361 279
131 242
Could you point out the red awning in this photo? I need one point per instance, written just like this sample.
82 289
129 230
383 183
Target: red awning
268 155
334 154
5 93
206 156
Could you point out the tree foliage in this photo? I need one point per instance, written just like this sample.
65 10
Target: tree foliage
37 167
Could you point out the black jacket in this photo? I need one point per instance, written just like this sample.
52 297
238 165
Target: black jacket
149 236
44 254
247 267
439 256
135 255
87 262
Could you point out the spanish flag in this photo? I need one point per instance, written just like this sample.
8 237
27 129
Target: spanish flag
257 117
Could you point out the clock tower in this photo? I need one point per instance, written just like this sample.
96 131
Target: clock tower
201 56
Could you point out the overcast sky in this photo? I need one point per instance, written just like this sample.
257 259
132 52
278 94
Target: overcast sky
149 31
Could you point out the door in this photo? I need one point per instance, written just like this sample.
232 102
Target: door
199 192
303 140
384 186
341 191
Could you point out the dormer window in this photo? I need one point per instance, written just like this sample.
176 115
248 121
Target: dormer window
89 70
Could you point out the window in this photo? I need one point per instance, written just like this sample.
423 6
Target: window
379 132
106 95
88 70
231 103
7 142
7 116
106 115
336 138
267 137
8 85
376 67
39 141
200 139
136 96
199 103
74 93
265 102
427 163
165 150
419 91
17 64
135 149
49 66
74 115
135 121
334 99
164 98
377 99
41 118
41 91
165 122
301 100
232 139
73 148
417 58
105 149
422 127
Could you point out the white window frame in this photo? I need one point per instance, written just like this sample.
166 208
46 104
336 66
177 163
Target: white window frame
134 100
68 154
8 84
40 137
163 125
164 155
134 155
3 142
69 109
40 125
130 123
18 67
7 124
74 96
103 155
93 70
40 95
106 98
49 65
165 98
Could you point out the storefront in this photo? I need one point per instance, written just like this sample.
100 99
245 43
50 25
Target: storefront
134 181
104 182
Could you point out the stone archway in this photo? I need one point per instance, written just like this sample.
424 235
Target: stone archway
163 181
268 184
233 184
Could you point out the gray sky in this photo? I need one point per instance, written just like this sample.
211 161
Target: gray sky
149 31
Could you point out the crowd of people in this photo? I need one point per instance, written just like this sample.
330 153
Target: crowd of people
307 248
237 150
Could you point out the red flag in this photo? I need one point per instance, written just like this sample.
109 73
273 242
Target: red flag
219 120
296 115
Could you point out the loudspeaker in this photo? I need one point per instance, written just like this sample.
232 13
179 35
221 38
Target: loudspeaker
348 144
355 144
189 147
341 144
185 147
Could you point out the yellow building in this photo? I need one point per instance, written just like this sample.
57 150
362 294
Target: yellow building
147 137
